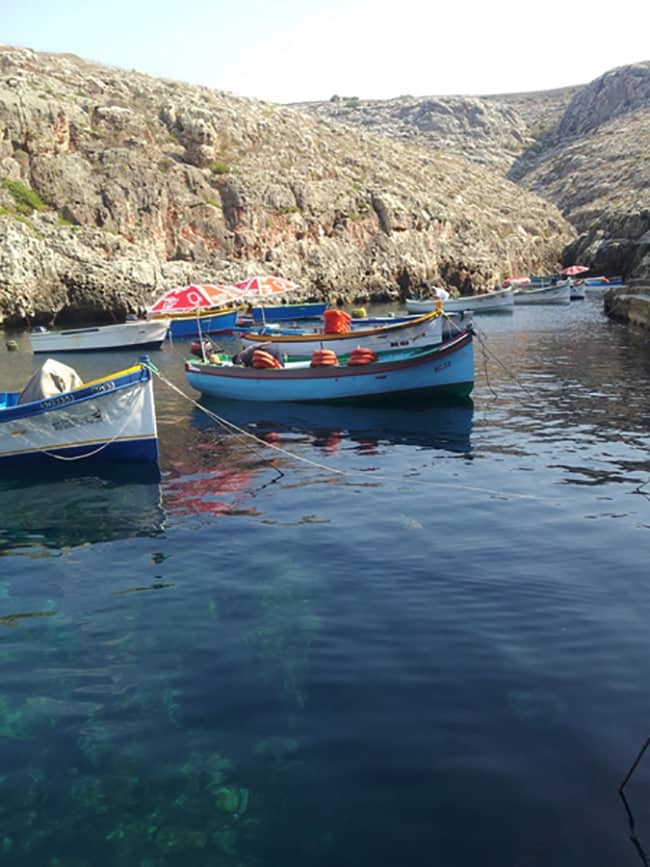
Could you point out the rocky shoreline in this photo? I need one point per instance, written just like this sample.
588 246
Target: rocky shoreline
115 186
629 304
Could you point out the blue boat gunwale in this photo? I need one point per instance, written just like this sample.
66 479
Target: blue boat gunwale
360 333
409 358
261 313
109 384
203 313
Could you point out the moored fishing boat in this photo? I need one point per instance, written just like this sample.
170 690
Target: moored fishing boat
486 302
443 370
136 333
57 417
197 324
421 331
553 293
287 312
595 283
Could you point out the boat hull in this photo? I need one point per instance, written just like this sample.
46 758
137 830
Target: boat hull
487 302
139 334
559 294
604 282
191 325
422 331
287 312
443 371
110 419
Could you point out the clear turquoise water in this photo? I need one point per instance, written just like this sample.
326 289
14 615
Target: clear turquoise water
440 655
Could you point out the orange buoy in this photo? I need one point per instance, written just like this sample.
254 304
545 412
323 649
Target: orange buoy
263 359
336 321
324 358
360 355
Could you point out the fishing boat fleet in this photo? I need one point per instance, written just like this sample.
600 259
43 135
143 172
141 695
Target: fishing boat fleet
289 352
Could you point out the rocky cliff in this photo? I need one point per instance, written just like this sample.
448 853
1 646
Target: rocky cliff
594 164
584 149
115 186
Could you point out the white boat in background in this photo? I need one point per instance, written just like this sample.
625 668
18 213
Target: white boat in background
485 302
136 333
553 293
578 292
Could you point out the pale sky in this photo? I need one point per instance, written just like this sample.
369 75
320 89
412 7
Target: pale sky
306 50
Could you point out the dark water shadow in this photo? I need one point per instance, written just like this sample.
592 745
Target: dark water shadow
426 425
68 506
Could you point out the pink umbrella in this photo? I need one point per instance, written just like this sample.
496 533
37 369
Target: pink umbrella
574 269
187 299
262 288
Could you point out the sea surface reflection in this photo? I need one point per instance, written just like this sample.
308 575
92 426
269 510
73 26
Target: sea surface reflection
323 636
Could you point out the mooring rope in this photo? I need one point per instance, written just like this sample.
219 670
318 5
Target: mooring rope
100 448
481 337
233 428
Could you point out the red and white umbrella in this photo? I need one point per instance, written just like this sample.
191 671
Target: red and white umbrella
516 281
572 270
188 299
263 288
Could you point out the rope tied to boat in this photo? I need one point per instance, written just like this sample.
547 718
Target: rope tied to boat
230 427
233 428
100 448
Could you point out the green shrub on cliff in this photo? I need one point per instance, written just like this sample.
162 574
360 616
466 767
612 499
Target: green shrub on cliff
219 168
27 201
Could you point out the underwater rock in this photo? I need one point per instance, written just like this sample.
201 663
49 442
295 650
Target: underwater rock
217 767
276 747
176 838
227 799
225 840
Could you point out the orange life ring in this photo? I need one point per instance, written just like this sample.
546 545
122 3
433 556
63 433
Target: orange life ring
263 359
362 356
324 358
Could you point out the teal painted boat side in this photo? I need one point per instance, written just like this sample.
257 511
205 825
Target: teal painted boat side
446 370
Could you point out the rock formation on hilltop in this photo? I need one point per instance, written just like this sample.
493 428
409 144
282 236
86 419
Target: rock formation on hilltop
488 132
584 149
594 164
115 186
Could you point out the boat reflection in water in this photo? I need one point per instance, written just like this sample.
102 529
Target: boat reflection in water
426 425
68 506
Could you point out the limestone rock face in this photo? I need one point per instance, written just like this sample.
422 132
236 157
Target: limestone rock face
594 166
115 186
486 131
617 92
582 148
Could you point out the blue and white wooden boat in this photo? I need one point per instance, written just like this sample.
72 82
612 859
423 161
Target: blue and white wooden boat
287 312
420 331
603 282
108 419
444 370
220 321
